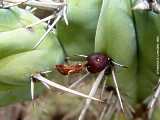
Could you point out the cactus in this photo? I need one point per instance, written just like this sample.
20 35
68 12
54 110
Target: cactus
128 36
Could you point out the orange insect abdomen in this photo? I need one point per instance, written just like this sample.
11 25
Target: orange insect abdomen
69 69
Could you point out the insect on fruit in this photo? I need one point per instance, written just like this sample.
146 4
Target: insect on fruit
104 65
95 63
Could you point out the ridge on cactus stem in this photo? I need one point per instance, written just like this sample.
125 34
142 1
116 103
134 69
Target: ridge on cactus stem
151 5
41 78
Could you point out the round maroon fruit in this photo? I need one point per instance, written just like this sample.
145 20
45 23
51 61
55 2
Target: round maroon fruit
97 62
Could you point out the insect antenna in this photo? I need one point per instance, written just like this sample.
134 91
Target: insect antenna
92 93
117 89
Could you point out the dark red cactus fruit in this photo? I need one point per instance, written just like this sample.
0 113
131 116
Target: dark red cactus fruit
97 62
